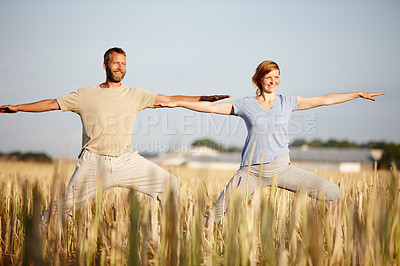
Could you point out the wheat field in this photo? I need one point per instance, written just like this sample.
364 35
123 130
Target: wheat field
273 227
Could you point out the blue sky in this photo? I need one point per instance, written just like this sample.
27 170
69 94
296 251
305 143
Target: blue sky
50 48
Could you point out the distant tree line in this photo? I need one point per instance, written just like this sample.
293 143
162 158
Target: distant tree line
26 157
391 151
332 143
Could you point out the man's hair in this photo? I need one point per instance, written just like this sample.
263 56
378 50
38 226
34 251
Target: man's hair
109 51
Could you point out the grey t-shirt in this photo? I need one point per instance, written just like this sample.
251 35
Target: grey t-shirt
267 129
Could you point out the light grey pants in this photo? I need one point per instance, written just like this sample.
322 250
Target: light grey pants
287 177
129 170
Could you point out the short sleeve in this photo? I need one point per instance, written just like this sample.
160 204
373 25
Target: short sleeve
145 99
238 106
291 101
70 102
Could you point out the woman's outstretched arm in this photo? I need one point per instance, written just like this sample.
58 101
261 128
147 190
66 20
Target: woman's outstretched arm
163 99
304 103
204 107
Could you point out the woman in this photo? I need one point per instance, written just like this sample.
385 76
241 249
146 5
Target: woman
267 119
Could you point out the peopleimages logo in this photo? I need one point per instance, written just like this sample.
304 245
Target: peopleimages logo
170 124
211 124
156 146
303 124
182 125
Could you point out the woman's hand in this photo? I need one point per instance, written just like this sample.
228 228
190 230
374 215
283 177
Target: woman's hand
370 95
168 104
205 107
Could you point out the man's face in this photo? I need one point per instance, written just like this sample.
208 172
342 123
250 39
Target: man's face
116 67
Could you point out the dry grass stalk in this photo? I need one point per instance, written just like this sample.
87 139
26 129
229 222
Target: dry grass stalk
273 227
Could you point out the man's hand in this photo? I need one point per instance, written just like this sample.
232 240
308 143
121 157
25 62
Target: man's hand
213 98
8 109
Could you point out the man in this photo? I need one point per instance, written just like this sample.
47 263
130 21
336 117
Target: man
108 112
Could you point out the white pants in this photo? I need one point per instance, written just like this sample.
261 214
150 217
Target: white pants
129 170
287 177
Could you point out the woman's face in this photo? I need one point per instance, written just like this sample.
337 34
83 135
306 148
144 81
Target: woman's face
270 82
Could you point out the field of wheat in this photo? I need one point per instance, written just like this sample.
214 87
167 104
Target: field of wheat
273 227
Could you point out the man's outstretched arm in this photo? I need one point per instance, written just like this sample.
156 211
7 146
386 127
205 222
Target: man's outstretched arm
161 100
41 106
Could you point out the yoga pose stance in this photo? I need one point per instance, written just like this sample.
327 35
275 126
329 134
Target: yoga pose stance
108 112
267 119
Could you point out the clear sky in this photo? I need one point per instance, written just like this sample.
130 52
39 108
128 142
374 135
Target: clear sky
50 48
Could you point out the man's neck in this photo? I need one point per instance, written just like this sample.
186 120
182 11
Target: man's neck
109 84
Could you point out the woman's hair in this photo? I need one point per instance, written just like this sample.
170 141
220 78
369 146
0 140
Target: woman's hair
263 69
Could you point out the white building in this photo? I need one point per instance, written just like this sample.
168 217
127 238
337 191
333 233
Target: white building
201 157
332 159
329 159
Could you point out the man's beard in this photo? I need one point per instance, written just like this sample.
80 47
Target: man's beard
111 77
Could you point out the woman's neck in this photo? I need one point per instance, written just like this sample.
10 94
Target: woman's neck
266 100
267 97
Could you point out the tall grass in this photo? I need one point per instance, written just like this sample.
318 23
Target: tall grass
272 227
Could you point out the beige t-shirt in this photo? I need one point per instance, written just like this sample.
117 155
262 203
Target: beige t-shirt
107 115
